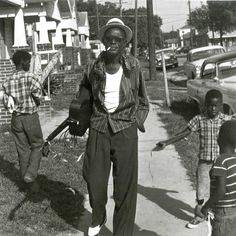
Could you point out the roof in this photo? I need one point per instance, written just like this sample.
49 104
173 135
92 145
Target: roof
205 48
185 27
6 3
220 57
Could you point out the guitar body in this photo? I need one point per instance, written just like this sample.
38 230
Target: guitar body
79 117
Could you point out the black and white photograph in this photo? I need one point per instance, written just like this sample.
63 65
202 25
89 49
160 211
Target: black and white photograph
117 117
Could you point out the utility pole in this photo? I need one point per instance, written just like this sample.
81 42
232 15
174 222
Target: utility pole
190 24
136 28
120 1
151 44
120 6
97 17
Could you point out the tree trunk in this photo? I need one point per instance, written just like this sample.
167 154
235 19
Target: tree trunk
221 37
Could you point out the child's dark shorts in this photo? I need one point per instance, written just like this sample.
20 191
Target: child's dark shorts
224 223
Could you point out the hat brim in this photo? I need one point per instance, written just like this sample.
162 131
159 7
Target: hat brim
104 28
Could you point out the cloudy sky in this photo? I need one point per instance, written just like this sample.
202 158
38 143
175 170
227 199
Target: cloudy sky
174 13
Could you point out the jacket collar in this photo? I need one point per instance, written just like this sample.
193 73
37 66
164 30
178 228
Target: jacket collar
99 65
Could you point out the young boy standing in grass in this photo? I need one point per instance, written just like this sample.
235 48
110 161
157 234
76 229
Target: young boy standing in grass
22 93
207 125
222 199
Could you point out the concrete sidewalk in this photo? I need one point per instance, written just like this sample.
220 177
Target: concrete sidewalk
165 196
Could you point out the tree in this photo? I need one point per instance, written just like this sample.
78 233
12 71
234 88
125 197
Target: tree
111 9
222 16
200 19
215 16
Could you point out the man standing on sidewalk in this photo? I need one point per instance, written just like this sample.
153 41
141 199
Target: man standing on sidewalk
120 107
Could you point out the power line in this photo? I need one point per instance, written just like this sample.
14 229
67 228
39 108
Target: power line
108 16
170 22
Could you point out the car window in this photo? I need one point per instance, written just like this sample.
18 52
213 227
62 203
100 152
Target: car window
209 71
227 69
206 53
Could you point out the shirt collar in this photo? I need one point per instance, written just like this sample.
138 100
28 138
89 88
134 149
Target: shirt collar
219 116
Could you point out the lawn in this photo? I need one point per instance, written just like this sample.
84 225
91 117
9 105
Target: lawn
58 207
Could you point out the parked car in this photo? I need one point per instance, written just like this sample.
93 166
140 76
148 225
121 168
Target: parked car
217 72
170 58
195 58
183 50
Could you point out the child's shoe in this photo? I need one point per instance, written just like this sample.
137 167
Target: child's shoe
194 223
196 220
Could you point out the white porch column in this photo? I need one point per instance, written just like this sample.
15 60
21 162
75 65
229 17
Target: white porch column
83 42
68 38
19 30
87 43
58 38
43 30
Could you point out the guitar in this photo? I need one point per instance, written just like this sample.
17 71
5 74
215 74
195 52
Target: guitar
78 122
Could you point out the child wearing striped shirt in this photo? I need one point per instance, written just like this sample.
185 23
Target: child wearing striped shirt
222 199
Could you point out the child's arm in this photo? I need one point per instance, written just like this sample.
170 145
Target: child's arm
216 196
35 66
162 144
50 65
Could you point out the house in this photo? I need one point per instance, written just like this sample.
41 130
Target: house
83 30
97 47
171 43
44 26
41 26
183 31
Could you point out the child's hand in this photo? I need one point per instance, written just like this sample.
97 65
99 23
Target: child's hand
59 52
198 212
204 211
159 146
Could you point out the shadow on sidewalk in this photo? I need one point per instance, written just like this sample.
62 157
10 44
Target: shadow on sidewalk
137 232
143 232
171 205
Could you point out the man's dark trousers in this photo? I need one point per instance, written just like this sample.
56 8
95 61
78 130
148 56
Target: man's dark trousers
121 149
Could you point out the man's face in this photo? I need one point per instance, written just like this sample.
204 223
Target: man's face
213 107
115 40
26 65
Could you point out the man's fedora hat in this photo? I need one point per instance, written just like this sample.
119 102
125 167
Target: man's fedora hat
115 23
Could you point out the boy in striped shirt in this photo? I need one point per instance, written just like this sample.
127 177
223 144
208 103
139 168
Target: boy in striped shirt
222 199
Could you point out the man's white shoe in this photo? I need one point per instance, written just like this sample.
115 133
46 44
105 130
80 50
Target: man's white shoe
93 231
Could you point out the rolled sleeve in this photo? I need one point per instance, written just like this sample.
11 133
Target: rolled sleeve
193 124
35 87
219 168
